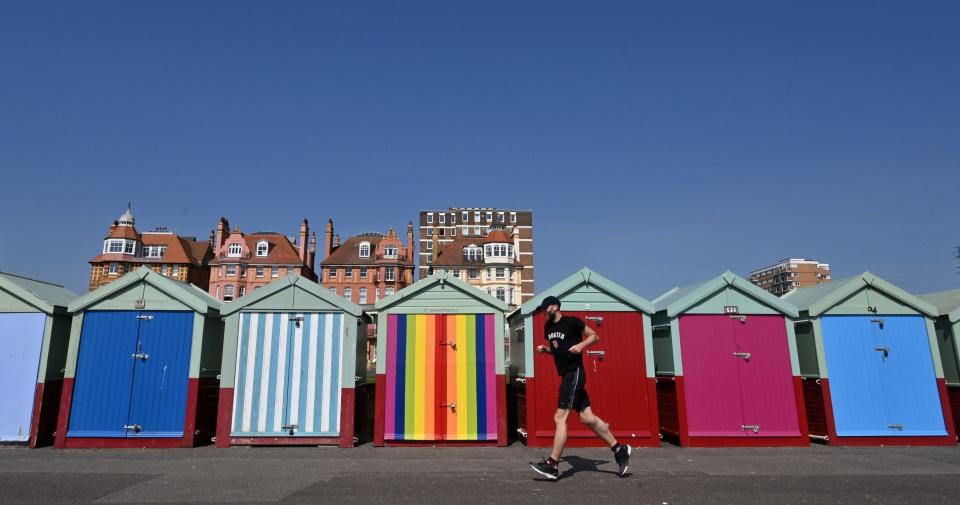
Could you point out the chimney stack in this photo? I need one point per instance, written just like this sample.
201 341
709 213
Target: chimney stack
223 230
411 248
328 239
313 249
336 240
302 242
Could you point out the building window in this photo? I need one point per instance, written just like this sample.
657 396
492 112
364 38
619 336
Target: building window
501 273
348 293
262 248
166 270
333 289
113 269
513 217
429 246
243 271
228 293
259 271
128 247
243 290
453 231
476 230
476 217
453 218
388 292
115 246
429 259
333 272
363 272
376 294
430 217
348 272
364 249
390 252
456 273
176 270
501 217
443 218
429 232
464 216
233 250
441 230
501 294
275 271
362 296
388 274
489 217
231 270
155 251
473 273
466 231
510 301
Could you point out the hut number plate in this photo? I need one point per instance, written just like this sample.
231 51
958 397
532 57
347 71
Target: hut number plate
731 309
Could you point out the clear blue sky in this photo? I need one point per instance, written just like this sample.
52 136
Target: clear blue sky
658 143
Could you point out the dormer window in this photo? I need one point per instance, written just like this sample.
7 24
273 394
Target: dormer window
233 250
154 251
128 247
364 249
263 247
390 252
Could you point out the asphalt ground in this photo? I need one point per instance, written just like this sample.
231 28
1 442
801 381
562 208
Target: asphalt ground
367 475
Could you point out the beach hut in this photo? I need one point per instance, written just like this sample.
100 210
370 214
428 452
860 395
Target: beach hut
290 363
727 367
871 365
142 365
34 330
618 369
440 365
947 327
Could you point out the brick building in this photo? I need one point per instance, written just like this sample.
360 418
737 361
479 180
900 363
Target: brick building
243 262
489 262
457 223
125 249
790 273
367 267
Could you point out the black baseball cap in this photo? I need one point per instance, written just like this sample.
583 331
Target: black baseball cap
548 301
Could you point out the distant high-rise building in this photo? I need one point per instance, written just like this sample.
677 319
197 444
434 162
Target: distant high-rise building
125 249
790 273
451 226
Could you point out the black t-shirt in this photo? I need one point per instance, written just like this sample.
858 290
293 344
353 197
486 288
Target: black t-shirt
562 335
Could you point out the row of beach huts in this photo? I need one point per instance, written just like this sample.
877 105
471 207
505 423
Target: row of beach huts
147 361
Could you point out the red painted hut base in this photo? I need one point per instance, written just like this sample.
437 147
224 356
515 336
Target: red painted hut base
821 388
225 418
671 397
953 394
545 439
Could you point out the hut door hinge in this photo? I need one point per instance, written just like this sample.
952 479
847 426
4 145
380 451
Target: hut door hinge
898 427
752 427
145 318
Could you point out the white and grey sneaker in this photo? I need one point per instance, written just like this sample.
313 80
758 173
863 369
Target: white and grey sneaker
545 469
622 455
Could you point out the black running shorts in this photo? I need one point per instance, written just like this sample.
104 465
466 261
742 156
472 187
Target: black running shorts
573 393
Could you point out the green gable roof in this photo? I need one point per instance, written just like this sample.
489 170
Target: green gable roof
190 295
44 296
946 302
679 300
587 277
443 279
288 282
818 299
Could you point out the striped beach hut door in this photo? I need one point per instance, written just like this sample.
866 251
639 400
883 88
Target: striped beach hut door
288 375
440 377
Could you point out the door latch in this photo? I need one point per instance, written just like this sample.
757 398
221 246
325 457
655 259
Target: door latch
884 350
453 406
136 428
744 355
898 427
451 343
140 355
297 320
878 321
290 428
599 354
145 318
752 427
596 319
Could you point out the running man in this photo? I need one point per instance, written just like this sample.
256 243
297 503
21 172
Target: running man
568 336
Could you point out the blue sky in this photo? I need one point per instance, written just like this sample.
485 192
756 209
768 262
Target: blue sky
657 143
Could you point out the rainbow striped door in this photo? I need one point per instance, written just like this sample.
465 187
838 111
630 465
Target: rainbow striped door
440 377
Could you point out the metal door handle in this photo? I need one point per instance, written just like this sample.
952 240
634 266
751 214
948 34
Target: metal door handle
744 355
597 353
878 321
452 344
884 350
895 427
134 427
453 406
289 427
596 319
145 318
752 427
140 355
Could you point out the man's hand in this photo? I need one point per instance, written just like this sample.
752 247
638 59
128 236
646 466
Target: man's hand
577 348
542 348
